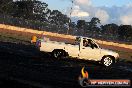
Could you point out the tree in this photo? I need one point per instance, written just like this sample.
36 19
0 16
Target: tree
58 18
91 28
41 11
93 23
31 9
81 27
111 29
73 28
125 32
23 8
6 6
80 24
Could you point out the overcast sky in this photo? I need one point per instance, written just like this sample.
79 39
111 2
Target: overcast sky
108 11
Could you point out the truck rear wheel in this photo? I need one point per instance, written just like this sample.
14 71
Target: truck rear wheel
107 61
58 54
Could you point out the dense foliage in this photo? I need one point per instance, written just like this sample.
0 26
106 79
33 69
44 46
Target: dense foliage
36 14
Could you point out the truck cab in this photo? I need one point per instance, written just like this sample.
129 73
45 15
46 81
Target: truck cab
88 49
91 50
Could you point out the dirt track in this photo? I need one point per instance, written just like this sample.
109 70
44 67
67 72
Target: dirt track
23 63
123 52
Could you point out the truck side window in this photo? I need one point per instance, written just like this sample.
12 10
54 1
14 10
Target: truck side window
86 43
89 43
92 44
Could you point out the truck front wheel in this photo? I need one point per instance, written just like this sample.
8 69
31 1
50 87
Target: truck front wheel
107 61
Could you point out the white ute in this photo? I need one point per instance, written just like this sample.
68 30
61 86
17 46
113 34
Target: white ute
83 48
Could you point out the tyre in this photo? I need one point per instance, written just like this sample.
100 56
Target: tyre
107 61
58 54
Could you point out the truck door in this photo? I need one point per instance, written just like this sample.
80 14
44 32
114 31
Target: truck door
89 50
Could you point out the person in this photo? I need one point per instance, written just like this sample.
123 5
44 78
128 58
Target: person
34 39
87 43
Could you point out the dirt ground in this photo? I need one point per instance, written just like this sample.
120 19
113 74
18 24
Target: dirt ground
14 35
24 66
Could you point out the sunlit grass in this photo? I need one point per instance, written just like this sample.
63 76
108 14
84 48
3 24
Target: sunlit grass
10 37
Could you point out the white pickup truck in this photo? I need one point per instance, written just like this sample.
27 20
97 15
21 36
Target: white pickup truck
83 48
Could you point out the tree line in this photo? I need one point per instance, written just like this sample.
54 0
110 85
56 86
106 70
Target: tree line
110 31
38 11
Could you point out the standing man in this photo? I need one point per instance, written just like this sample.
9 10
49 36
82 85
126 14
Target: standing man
34 39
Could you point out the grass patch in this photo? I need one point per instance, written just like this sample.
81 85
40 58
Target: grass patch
127 56
10 37
124 56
